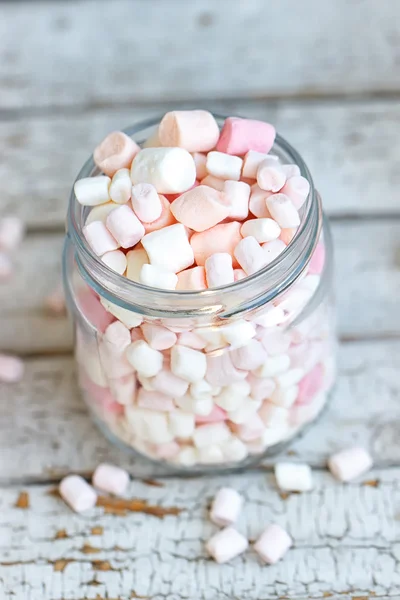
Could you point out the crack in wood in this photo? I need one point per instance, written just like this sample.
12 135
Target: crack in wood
121 507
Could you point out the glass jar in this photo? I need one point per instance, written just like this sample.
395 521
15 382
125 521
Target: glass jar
267 343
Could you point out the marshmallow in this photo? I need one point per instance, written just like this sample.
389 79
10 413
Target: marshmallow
213 336
275 341
169 248
252 161
194 130
135 260
292 477
273 366
291 171
111 479
6 266
270 177
210 454
233 396
123 389
181 424
245 412
198 406
316 264
202 389
99 238
297 189
169 384
287 235
144 359
234 450
273 416
270 317
226 545
192 279
115 152
55 301
289 378
200 161
285 396
213 182
188 364
272 250
169 170
100 212
125 226
250 356
188 457
238 333
146 202
349 464
283 210
250 255
154 401
273 544
251 429
257 202
112 348
310 385
237 193
78 494
263 230
216 415
190 339
220 370
149 425
221 238
158 337
121 186
214 433
261 387
200 208
11 369
157 277
238 136
219 269
164 220
116 260
239 274
12 231
224 166
127 317
91 191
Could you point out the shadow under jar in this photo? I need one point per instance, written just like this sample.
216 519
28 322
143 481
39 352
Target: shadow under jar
267 343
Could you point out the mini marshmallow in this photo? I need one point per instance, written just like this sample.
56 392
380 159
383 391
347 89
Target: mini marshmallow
245 411
221 238
135 260
200 208
252 161
6 266
239 274
78 494
221 371
219 269
192 279
171 385
274 416
11 369
100 212
292 477
237 194
144 359
251 428
224 166
125 226
270 177
157 401
350 463
123 389
202 389
233 396
273 249
12 231
270 317
213 182
257 202
234 450
149 425
238 333
210 455
194 130
290 378
198 406
273 366
115 152
121 186
157 277
250 255
190 339
115 260
263 230
169 248
169 170
217 415
214 433
117 336
250 356
226 545
238 136
283 210
112 350
91 191
158 337
297 189
99 238
316 264
111 479
273 544
213 336
188 364
188 457
146 202
311 384
164 220
200 161
290 171
275 341
285 396
287 235
261 387
126 316
181 424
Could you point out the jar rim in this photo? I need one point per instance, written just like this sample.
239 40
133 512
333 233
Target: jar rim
224 301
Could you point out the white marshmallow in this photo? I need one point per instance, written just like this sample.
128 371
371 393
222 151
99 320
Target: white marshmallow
270 177
245 411
238 333
274 435
159 337
123 389
250 255
272 250
292 477
211 455
274 416
127 317
121 186
135 260
169 248
144 359
146 202
224 166
233 396
170 170
234 450
285 396
283 211
12 231
213 433
188 457
157 277
200 161
263 230
100 212
250 356
269 317
252 161
290 378
273 366
198 406
115 260
273 543
111 479
188 364
78 494
202 389
350 463
213 337
181 423
91 191
149 425
226 545
291 171
219 270
167 383
238 195
99 238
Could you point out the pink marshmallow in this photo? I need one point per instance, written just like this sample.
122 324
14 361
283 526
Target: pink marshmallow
257 202
249 357
110 479
125 226
167 450
191 340
316 264
226 545
155 401
219 269
350 463
78 494
226 507
164 220
251 429
99 238
287 235
146 202
282 210
273 544
262 388
250 255
200 160
115 152
310 385
158 337
194 130
192 279
237 194
238 136
270 177
221 238
221 371
91 307
12 231
200 208
216 415
214 182
297 189
169 384
11 369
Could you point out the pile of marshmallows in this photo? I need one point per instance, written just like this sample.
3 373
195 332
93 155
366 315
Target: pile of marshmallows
228 543
195 208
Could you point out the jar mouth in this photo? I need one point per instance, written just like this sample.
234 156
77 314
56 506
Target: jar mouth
224 301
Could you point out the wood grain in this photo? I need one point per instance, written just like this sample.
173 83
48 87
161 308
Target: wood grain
352 149
146 51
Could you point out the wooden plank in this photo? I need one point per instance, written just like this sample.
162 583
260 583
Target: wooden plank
351 148
194 50
45 430
345 544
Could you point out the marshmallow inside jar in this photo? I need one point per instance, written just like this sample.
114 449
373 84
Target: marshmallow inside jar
208 341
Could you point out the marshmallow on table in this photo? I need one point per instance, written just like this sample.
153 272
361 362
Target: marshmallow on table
221 238
100 212
146 202
219 269
257 202
263 230
270 177
99 238
135 260
115 152
200 160
158 337
297 189
188 364
144 359
194 130
121 186
237 194
169 248
283 210
158 277
272 250
350 463
273 544
226 545
125 226
224 166
182 424
111 479
214 182
192 279
250 255
116 260
252 161
169 170
78 494
200 208
91 191
292 477
11 369
12 230
126 316
238 136
168 383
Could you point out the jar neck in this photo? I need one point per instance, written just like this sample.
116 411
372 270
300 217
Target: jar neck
206 305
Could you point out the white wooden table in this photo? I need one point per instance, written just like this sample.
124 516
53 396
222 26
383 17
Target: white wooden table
328 75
